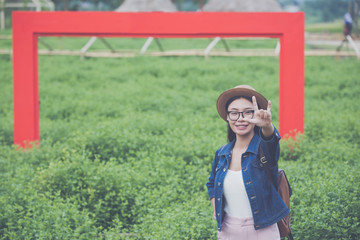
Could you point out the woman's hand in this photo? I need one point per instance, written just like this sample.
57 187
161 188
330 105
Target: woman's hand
213 204
262 118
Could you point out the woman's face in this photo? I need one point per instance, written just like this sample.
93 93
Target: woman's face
239 126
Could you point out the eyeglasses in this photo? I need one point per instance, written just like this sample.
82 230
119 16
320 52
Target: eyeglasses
234 116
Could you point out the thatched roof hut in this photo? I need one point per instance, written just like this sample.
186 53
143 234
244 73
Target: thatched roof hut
146 6
242 6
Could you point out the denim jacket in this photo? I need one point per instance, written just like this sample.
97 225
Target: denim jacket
266 204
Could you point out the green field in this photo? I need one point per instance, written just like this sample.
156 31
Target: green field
135 44
336 26
127 145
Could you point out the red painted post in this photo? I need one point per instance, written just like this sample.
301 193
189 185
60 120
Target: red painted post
292 79
27 26
25 84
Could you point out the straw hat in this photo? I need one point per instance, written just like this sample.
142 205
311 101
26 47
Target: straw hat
241 91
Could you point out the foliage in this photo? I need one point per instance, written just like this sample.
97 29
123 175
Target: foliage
87 5
324 10
336 26
127 145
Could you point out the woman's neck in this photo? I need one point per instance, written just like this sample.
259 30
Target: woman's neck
243 141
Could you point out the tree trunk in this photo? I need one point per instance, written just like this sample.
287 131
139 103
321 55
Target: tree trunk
356 18
349 7
179 4
201 4
66 5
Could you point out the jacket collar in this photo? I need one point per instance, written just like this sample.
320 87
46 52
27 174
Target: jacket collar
253 146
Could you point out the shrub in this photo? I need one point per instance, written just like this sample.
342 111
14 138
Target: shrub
128 151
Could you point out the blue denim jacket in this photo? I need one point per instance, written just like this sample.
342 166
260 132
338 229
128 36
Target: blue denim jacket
266 204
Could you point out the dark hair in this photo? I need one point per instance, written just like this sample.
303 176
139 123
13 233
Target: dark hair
230 133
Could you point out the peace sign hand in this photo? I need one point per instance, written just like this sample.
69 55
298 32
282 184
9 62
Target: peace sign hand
262 118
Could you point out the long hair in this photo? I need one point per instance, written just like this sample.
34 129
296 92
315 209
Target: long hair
230 133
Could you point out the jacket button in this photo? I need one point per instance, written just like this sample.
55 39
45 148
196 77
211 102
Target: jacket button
253 197
218 214
224 169
218 199
219 184
256 212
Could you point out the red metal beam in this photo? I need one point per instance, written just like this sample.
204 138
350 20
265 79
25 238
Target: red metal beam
27 26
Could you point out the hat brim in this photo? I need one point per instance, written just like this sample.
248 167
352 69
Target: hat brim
241 92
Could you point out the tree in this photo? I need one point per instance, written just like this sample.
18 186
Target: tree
356 17
353 9
325 10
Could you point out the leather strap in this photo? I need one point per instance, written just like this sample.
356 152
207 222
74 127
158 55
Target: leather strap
267 169
265 163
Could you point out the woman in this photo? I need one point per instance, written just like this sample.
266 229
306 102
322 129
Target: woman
246 204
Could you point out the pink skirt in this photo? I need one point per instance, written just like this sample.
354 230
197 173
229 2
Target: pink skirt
243 228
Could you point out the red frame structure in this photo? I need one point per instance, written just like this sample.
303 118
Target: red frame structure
28 26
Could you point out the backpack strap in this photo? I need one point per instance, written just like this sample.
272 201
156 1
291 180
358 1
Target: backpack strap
266 165
267 169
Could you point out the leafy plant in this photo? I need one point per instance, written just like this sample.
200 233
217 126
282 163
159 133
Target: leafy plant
127 145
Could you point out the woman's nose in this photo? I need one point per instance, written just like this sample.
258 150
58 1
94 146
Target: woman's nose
241 118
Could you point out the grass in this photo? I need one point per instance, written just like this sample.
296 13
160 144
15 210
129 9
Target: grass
135 44
127 144
334 27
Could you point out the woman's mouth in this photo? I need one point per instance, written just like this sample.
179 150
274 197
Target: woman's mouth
241 127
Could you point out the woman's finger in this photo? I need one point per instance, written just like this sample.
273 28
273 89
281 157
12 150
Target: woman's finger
255 103
261 114
269 106
265 115
249 120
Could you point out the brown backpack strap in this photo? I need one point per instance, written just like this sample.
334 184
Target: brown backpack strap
290 236
266 165
268 173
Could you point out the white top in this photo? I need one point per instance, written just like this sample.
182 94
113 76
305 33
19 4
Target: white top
236 199
348 18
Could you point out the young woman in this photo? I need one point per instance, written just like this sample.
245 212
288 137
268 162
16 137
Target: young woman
246 204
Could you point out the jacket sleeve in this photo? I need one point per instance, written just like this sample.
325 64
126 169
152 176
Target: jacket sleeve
271 147
210 183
